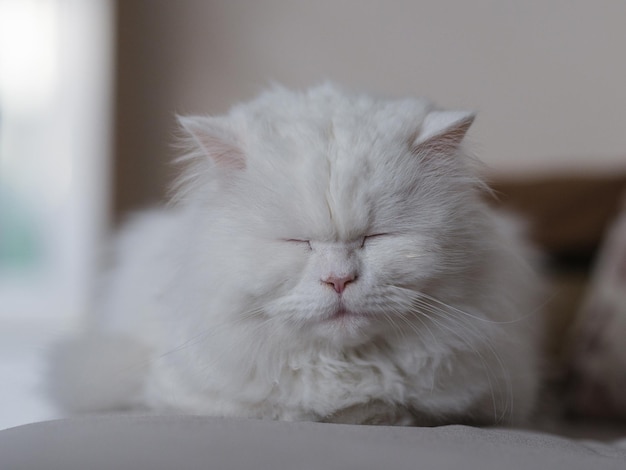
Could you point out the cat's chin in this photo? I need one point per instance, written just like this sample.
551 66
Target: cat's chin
346 327
343 315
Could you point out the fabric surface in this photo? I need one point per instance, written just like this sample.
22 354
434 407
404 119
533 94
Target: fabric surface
172 442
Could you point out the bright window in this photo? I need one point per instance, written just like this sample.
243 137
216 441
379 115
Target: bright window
55 103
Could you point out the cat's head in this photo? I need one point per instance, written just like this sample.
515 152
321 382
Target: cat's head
330 213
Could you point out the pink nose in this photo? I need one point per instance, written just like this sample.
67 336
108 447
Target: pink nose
339 282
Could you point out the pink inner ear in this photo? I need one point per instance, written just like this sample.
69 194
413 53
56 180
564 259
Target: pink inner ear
225 154
214 140
443 131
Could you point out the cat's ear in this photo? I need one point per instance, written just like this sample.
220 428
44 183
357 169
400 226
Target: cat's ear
212 139
443 130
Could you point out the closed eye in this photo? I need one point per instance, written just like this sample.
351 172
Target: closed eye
306 243
373 236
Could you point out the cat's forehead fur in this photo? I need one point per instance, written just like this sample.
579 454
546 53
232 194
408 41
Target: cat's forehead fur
327 164
335 154
327 102
325 117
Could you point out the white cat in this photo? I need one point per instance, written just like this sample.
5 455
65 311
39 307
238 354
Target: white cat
327 257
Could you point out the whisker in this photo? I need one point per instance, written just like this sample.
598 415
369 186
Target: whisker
484 340
413 292
437 312
486 367
211 331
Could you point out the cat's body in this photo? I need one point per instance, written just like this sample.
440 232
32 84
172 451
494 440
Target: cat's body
329 257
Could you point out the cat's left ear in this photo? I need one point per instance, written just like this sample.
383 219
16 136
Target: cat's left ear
443 130
211 137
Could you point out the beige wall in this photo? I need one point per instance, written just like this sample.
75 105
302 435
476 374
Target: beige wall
547 77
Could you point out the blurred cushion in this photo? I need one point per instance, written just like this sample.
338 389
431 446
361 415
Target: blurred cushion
598 355
568 215
172 442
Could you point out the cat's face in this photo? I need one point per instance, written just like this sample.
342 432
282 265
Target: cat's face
335 223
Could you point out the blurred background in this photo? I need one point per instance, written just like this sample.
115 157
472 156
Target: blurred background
89 90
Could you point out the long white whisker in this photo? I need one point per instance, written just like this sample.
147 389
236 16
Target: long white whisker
413 292
484 340
431 308
486 367
211 331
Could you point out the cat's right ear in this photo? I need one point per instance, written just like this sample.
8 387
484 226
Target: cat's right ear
214 141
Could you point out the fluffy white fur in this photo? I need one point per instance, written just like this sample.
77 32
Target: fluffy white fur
327 257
